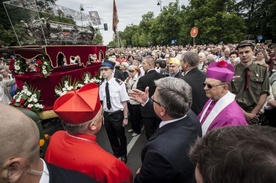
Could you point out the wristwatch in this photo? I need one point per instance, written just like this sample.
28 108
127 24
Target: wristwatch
126 117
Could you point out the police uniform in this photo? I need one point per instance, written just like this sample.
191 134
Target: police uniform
248 98
114 116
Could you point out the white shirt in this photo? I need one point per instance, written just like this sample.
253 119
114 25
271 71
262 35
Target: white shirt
118 94
45 177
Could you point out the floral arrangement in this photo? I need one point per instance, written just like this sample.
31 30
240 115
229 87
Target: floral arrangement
67 84
87 78
19 66
28 98
43 68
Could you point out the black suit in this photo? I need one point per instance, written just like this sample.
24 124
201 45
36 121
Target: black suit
195 78
61 175
148 118
119 74
178 75
165 156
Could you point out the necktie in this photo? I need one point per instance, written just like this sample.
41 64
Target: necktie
107 96
211 106
247 78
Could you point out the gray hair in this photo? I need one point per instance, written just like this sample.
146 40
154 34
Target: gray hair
76 128
175 95
191 58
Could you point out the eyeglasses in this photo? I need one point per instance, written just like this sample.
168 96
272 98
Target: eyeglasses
209 86
131 70
155 101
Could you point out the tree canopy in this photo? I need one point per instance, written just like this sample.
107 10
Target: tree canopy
218 22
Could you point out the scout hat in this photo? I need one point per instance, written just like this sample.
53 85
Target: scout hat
221 71
79 106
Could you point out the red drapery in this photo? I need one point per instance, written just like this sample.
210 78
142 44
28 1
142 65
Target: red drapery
47 85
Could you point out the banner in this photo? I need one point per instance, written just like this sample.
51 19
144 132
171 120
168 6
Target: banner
115 17
95 18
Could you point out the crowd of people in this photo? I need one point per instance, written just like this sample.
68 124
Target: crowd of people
201 107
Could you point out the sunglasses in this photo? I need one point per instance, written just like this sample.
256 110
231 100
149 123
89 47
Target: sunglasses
209 86
131 70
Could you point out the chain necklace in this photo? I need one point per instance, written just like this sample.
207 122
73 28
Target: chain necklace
80 138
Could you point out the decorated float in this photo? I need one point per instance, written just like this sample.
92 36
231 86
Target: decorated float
53 57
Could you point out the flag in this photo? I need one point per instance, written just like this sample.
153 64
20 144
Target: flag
115 17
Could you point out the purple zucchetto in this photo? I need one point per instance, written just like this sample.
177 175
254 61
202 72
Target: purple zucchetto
221 71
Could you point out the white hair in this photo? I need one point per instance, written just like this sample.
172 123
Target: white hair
201 54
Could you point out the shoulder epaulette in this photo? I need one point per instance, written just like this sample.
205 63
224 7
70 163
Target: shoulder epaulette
119 81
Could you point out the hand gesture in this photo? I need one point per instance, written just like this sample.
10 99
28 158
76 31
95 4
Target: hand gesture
139 95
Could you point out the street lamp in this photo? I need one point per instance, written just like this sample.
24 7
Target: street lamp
81 10
159 3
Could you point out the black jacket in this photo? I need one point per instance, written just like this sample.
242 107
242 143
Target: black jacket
195 78
61 175
165 156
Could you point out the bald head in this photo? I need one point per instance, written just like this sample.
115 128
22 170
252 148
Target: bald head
19 135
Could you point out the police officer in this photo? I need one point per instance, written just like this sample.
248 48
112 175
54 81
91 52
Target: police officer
114 98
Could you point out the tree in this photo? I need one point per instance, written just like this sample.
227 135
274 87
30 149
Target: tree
260 17
216 20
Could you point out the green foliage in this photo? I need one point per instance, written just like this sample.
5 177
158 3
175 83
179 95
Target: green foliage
228 21
98 40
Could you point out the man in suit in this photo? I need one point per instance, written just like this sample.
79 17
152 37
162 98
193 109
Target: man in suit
148 119
194 77
174 69
165 156
19 153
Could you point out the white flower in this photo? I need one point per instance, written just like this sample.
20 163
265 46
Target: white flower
43 67
28 93
63 93
80 85
44 72
35 100
18 99
16 67
30 105
30 99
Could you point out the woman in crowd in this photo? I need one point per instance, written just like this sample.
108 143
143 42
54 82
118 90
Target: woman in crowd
202 59
260 58
123 67
133 106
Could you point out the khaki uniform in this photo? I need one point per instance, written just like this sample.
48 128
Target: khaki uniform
258 85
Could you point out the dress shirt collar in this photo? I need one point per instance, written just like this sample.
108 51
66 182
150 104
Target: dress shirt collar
163 123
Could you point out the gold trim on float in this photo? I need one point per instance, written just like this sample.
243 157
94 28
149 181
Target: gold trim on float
47 114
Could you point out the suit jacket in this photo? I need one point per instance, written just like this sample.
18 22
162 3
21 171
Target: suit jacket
195 78
148 80
119 74
165 156
178 75
61 175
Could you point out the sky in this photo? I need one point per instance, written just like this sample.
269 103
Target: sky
129 11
